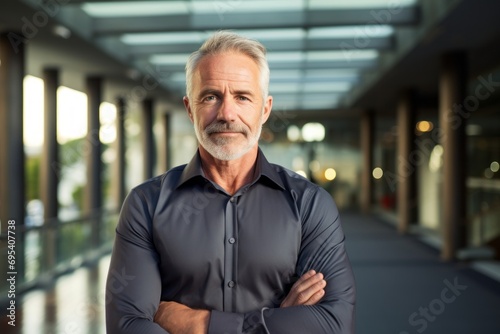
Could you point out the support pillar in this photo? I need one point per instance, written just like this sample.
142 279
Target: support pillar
166 122
120 148
366 140
12 179
93 198
406 190
50 161
452 90
49 179
12 182
147 138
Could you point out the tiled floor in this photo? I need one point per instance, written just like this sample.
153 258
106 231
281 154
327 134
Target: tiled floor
403 288
75 305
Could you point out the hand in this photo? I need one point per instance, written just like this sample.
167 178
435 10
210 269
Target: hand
308 290
176 318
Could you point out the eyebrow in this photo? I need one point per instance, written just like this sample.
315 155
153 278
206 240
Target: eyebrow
211 91
208 91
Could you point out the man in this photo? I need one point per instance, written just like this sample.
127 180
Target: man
217 245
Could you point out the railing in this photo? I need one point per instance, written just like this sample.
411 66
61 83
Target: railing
44 252
484 211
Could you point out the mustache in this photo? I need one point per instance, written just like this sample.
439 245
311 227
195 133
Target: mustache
225 127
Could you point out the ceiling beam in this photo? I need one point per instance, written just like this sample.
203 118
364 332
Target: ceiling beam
75 2
262 20
323 44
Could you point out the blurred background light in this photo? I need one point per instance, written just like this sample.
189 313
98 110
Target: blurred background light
313 132
377 173
330 174
425 126
495 166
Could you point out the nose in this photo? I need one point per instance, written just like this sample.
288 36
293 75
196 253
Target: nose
227 111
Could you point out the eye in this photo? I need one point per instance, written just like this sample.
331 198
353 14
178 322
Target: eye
210 98
243 98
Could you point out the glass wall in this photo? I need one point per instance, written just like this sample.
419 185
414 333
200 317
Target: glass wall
384 161
333 162
483 167
429 170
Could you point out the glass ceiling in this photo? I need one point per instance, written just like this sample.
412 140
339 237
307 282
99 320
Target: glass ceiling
318 50
159 8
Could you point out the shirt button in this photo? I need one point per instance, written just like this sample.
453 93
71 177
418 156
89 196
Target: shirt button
232 199
232 240
230 284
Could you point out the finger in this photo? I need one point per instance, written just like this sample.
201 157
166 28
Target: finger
305 277
315 298
302 291
305 295
305 282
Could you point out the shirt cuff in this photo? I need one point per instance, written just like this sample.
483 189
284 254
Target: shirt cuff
225 323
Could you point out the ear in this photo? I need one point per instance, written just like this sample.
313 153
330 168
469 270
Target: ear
185 99
268 105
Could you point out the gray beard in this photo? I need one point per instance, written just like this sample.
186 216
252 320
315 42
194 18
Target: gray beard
216 147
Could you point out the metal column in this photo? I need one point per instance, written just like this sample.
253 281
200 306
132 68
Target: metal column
406 190
120 148
166 164
12 166
50 161
366 140
452 92
12 193
93 198
147 138
49 167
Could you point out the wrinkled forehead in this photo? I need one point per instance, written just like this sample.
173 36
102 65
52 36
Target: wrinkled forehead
230 66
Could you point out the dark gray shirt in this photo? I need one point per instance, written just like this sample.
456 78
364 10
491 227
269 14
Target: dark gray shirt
182 238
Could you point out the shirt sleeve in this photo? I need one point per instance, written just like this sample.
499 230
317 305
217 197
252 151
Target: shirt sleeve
323 250
132 297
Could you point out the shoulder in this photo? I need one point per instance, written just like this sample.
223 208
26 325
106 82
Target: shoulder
140 204
169 177
149 191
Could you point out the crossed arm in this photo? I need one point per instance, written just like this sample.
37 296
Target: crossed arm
176 318
133 302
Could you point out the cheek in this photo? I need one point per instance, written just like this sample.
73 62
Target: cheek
202 122
251 117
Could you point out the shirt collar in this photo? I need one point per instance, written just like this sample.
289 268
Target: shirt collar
263 171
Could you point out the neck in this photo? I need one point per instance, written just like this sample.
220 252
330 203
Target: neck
230 175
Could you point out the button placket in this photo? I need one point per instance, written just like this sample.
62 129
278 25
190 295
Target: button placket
230 254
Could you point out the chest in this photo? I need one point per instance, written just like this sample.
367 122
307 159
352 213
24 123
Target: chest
208 235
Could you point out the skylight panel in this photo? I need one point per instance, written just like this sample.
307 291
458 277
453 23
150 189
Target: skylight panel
169 59
334 73
294 56
286 75
373 31
321 97
274 34
288 87
164 38
178 77
327 87
313 56
359 4
254 6
135 8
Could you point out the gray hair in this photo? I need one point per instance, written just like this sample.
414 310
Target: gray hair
225 41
